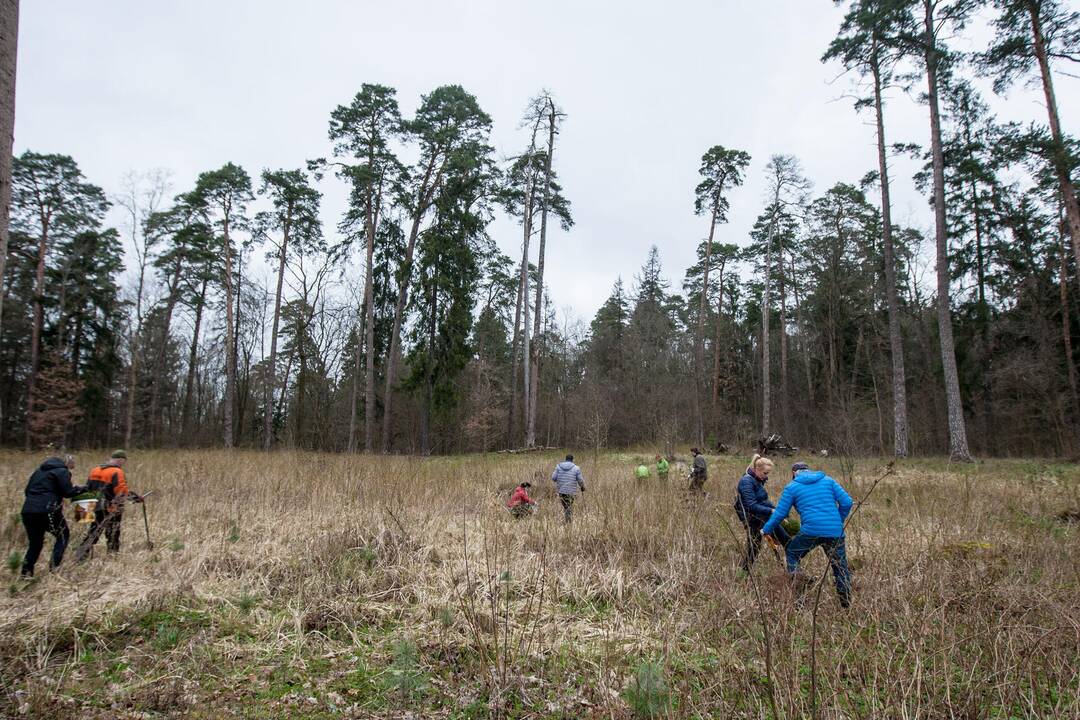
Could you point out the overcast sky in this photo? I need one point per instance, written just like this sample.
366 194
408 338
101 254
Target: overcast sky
188 85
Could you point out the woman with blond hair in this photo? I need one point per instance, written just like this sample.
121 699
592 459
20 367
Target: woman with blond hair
753 507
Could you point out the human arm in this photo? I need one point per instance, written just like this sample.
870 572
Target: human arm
782 509
843 500
64 488
580 479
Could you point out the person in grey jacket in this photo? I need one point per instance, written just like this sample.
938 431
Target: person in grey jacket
568 483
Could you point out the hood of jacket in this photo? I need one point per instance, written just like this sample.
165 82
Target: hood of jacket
53 463
567 465
809 477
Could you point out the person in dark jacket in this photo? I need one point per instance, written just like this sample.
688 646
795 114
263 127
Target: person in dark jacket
698 472
43 510
753 507
822 506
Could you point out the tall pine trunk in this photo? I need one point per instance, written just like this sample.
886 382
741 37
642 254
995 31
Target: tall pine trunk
958 444
896 339
515 344
9 44
1066 325
1061 162
766 363
534 378
699 345
716 345
354 396
423 201
35 330
163 344
193 357
369 334
230 340
271 370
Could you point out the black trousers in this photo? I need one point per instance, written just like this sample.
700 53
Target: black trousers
567 506
37 524
107 524
753 526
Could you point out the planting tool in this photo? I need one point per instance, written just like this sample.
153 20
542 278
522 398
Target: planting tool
146 523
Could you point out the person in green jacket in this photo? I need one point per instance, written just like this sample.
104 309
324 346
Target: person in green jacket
662 467
642 472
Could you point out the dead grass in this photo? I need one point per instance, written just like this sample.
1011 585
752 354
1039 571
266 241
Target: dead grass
307 585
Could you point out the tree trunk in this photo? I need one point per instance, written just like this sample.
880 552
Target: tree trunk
785 419
1061 162
9 43
423 201
369 333
354 396
699 345
193 356
511 419
716 345
35 330
766 384
159 369
271 370
1066 327
958 444
896 340
534 382
230 340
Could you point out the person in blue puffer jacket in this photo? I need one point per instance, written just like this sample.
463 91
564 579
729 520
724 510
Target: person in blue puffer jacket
822 506
753 507
568 482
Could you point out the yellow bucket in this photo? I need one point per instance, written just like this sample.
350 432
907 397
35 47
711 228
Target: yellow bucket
84 510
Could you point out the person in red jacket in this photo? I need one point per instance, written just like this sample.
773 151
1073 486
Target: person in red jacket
520 504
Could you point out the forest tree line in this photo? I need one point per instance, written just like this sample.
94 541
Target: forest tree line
408 330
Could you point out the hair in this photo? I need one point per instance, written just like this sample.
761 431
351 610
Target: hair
569 458
760 461
695 451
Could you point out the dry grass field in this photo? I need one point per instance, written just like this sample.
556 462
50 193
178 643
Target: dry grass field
316 586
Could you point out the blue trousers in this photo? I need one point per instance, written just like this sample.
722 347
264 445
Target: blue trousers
834 549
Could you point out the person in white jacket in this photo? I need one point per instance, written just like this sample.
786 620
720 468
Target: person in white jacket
568 483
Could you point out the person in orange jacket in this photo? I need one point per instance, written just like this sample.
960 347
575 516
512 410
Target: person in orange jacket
110 482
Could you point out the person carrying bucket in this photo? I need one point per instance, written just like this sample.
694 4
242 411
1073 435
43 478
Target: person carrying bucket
110 482
42 510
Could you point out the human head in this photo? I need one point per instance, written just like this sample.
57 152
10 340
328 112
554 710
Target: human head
569 458
658 457
69 462
526 484
798 468
761 464
694 451
119 457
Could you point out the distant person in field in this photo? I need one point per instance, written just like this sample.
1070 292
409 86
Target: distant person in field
520 504
568 483
662 467
641 472
43 511
110 482
753 507
699 473
822 506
